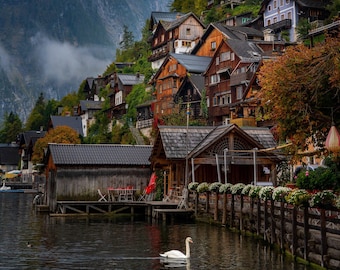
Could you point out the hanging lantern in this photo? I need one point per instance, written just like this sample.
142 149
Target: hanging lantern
333 140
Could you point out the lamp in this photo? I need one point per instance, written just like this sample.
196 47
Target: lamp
333 140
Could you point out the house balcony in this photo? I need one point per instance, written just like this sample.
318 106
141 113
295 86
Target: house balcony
281 25
244 122
161 53
240 78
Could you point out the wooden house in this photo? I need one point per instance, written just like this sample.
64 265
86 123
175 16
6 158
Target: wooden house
77 171
87 110
176 36
216 32
121 87
284 15
171 76
26 142
9 157
225 153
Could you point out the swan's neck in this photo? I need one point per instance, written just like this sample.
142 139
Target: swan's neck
187 249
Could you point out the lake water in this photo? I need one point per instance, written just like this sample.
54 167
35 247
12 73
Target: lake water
104 243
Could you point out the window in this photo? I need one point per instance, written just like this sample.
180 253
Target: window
239 92
287 1
119 98
176 44
162 37
217 61
170 35
215 101
213 45
282 17
268 22
289 15
225 56
275 19
208 102
232 56
215 78
281 2
269 8
275 4
188 31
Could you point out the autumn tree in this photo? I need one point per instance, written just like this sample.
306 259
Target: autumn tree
300 90
60 134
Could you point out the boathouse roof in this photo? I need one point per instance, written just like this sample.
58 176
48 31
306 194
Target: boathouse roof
100 154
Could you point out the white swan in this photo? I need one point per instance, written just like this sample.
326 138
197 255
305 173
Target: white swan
176 254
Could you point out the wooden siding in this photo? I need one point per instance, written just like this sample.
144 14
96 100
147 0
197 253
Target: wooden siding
196 29
205 49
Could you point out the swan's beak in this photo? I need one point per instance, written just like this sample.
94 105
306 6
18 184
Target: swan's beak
190 240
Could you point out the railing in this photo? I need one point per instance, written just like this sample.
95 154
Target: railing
284 24
240 78
144 123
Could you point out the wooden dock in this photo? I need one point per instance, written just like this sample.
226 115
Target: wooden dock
155 209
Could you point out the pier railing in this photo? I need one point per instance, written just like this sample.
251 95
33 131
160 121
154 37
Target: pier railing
310 233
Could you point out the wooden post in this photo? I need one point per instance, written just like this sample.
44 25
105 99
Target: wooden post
323 236
294 231
232 211
207 202
272 222
282 214
265 236
241 215
258 225
224 211
216 206
196 202
306 232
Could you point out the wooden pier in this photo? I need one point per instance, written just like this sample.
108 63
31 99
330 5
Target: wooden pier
158 210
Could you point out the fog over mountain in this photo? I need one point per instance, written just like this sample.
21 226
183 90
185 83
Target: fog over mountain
51 46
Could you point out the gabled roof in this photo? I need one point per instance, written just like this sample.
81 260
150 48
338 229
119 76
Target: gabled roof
192 63
9 154
70 121
176 143
168 25
27 136
229 32
196 80
100 154
157 16
247 51
90 105
131 79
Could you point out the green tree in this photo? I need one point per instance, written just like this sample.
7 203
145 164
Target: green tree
137 96
36 119
11 127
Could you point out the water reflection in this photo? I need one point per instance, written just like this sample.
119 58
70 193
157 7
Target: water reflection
121 243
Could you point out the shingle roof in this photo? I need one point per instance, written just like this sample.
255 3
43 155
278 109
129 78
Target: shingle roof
246 50
130 79
100 154
192 63
176 143
70 121
197 81
9 154
157 16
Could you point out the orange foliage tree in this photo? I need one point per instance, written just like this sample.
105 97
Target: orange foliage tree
300 91
61 134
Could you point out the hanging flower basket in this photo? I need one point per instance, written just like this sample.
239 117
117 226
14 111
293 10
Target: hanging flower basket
298 197
237 188
279 193
323 199
266 193
247 189
254 192
202 187
193 186
215 187
225 188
